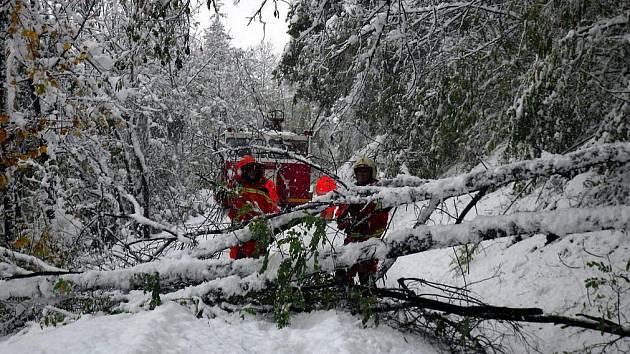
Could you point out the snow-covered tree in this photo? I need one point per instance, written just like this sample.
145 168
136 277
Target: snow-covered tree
454 80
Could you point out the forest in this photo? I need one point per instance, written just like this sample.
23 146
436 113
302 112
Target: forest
499 133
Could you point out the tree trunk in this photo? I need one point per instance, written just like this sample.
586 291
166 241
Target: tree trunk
6 204
4 24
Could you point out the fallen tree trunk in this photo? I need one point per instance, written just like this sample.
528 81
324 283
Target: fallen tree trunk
190 271
186 270
561 222
416 240
418 190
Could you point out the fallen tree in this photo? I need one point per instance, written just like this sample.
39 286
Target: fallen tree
190 270
405 190
192 273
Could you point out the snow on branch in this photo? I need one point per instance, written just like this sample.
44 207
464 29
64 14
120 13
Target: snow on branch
185 270
277 222
197 277
38 264
473 181
416 240
138 217
560 222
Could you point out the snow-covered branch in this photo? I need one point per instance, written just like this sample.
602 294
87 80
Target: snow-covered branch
38 264
500 175
138 217
560 222
416 240
186 270
277 222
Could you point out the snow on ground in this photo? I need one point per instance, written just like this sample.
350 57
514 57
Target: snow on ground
171 328
528 273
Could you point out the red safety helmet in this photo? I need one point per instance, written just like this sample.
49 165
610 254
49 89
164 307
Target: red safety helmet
244 161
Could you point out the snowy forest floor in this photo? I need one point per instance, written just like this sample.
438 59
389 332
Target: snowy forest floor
501 272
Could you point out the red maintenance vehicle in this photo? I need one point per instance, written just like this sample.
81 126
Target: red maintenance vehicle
291 177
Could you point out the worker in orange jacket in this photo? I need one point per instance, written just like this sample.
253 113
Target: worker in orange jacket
362 222
252 195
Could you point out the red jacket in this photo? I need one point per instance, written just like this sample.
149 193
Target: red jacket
362 221
251 200
246 201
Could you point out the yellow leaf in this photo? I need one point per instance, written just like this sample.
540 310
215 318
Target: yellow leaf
9 161
66 46
4 180
40 89
22 134
43 149
45 234
63 287
32 35
41 250
22 242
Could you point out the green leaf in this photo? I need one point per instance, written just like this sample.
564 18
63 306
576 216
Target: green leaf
62 287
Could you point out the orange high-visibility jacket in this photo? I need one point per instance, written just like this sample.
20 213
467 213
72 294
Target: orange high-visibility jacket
253 199
250 199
